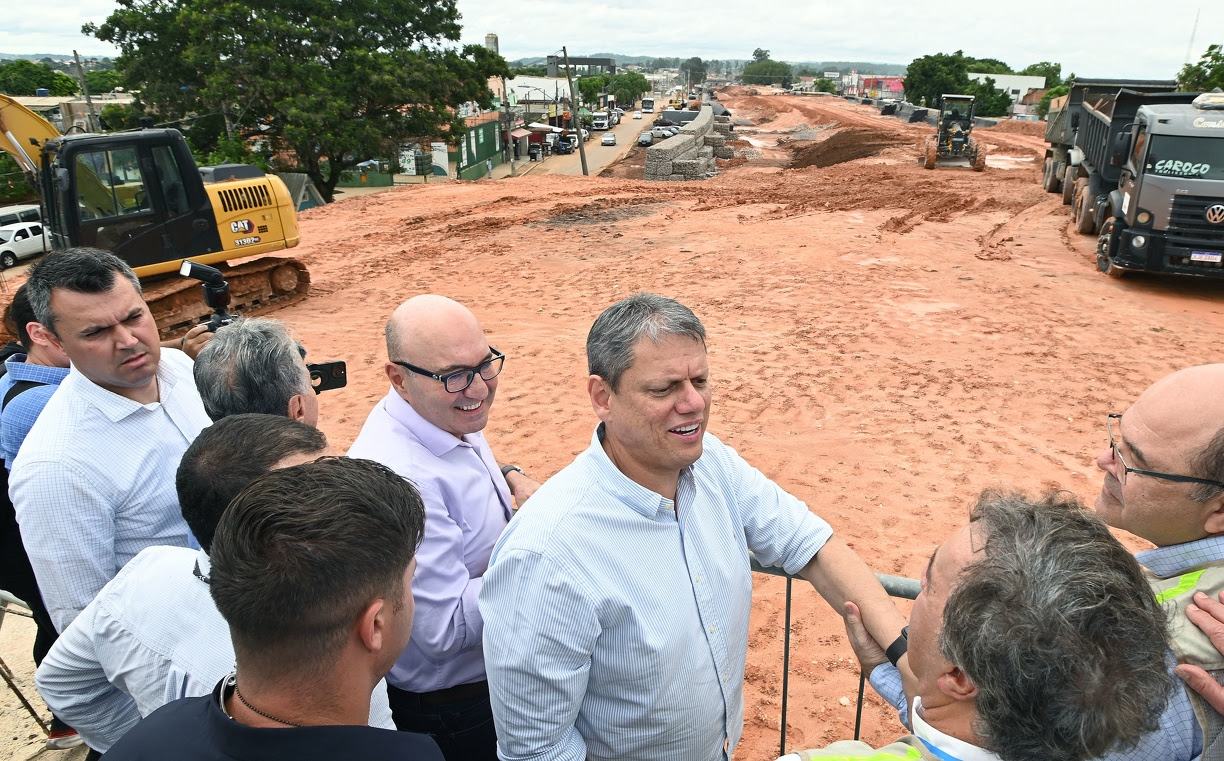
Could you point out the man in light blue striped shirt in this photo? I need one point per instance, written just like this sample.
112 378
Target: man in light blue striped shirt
616 606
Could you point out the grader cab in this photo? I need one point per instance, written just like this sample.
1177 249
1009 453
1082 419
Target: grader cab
952 143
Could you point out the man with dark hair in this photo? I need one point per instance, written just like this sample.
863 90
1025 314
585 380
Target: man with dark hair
329 616
1034 638
31 376
616 606
93 483
1164 482
254 365
153 634
429 428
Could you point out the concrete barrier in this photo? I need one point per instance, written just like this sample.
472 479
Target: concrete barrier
687 155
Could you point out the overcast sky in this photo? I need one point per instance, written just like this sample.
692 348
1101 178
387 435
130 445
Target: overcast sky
1125 38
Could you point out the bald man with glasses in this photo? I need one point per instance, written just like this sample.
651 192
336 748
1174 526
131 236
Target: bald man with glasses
1164 482
444 378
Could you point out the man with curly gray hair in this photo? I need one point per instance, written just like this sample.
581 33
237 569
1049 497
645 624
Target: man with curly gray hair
1035 637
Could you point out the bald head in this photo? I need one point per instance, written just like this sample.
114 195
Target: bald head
422 320
438 336
1175 428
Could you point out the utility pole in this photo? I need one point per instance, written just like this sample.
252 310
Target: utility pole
574 114
509 143
94 124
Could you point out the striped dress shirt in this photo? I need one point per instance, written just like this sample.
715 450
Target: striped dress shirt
616 621
93 483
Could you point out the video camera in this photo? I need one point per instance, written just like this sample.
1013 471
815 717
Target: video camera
324 376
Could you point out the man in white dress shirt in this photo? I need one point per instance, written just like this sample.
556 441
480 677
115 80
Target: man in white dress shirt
93 483
1034 637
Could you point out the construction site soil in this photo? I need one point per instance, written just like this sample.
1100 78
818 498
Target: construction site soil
885 341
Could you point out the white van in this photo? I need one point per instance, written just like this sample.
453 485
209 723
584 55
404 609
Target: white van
11 215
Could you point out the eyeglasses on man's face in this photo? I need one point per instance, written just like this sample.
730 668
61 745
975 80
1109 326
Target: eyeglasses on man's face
458 380
1110 420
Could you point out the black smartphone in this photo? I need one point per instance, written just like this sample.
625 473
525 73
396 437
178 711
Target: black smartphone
325 376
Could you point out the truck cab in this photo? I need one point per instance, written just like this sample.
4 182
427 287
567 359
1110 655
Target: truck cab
1166 211
599 120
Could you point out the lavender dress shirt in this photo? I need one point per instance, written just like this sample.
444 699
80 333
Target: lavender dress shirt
467 506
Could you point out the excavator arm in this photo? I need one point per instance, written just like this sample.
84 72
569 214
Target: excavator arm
22 134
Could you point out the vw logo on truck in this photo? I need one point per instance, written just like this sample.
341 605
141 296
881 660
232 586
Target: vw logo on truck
1215 214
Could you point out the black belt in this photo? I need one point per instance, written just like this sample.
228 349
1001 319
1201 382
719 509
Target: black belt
456 693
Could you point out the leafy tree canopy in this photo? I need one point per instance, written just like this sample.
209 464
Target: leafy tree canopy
694 70
987 66
529 71
1205 75
1051 71
990 101
331 82
13 185
103 80
933 75
591 87
825 85
760 54
766 72
628 87
22 77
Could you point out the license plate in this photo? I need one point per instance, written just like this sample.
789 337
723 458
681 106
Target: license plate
1205 256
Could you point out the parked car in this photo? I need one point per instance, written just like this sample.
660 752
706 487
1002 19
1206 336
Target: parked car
662 122
645 139
660 133
21 241
564 147
608 139
637 114
11 215
673 130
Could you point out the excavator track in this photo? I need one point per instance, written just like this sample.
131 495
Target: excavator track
256 287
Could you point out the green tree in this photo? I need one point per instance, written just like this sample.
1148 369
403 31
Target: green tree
825 85
1205 75
1051 71
591 87
990 100
1057 91
13 185
529 71
103 80
22 77
766 72
987 66
120 116
760 54
693 70
933 75
332 83
628 87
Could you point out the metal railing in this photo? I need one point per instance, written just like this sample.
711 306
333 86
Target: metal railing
895 586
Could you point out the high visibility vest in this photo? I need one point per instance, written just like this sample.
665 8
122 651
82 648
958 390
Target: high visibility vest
909 748
1189 643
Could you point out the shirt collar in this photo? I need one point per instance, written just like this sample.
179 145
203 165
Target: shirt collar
626 490
433 438
114 406
1177 558
944 746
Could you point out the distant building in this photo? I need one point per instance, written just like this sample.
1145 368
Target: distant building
1016 85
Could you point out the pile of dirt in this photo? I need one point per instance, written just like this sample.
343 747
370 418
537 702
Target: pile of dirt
842 146
1019 127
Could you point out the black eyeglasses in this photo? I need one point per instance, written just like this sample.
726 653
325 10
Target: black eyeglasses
458 380
1117 454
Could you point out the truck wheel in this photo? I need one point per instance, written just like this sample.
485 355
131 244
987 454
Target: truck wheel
1085 215
1104 262
932 153
1068 185
979 157
1047 175
8 259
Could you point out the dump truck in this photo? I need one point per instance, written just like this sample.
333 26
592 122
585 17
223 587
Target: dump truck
1148 181
141 195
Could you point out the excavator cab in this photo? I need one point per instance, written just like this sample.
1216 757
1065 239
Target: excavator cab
138 194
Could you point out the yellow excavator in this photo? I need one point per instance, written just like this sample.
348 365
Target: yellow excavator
141 195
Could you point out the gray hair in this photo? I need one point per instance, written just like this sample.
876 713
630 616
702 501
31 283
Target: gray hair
1059 631
250 365
1208 463
610 343
80 269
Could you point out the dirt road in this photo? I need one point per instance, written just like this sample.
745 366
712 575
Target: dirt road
885 341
